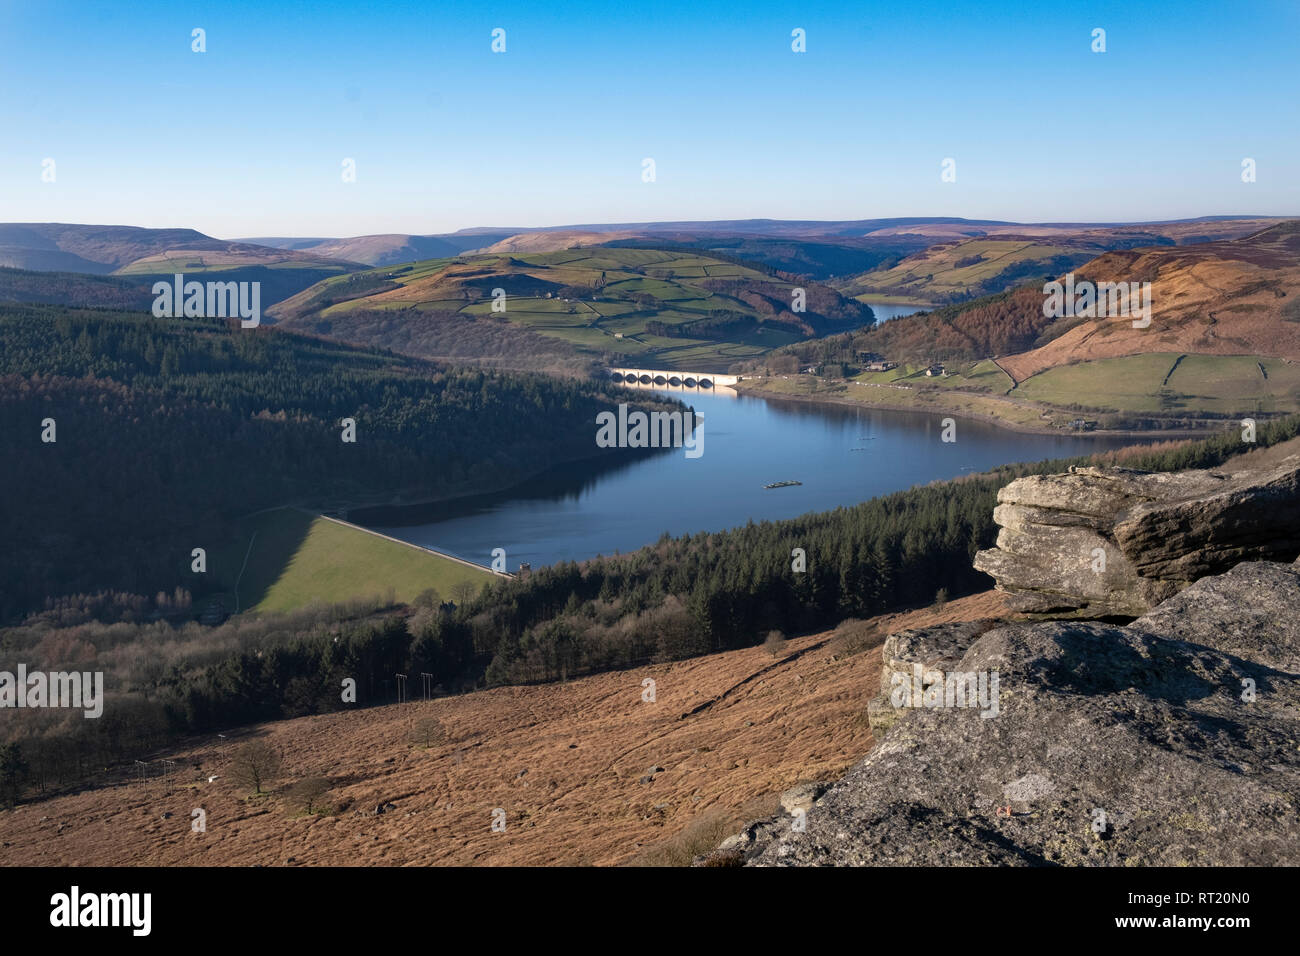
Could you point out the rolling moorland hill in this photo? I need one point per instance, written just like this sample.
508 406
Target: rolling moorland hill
1232 297
130 250
959 269
937 228
651 307
553 241
816 257
819 258
83 248
143 256
388 248
1224 341
818 250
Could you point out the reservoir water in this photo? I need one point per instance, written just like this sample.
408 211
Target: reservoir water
841 454
886 312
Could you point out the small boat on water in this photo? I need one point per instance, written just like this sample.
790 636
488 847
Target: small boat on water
783 484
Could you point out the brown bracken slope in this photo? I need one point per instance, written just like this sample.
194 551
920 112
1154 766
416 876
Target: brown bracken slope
566 762
1235 297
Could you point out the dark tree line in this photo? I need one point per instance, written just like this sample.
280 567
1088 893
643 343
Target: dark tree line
166 428
677 598
996 325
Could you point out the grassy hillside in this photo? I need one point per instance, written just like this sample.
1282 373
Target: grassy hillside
286 559
167 430
1223 341
653 307
959 265
1173 382
389 248
142 256
131 250
564 760
962 270
1238 297
278 281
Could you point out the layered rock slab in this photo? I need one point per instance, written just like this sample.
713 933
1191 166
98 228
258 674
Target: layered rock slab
1174 740
1111 542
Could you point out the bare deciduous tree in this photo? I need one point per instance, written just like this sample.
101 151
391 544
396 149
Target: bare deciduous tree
255 764
306 794
428 731
463 592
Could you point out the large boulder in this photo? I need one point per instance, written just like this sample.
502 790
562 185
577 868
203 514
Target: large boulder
1110 542
1170 741
930 648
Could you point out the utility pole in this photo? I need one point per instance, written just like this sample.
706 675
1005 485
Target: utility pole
427 681
401 688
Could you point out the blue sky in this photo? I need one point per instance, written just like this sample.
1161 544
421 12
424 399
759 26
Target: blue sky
248 138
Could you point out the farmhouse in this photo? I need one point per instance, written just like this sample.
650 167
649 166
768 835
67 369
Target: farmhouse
935 370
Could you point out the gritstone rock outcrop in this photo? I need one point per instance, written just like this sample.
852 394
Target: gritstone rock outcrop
1108 542
1173 740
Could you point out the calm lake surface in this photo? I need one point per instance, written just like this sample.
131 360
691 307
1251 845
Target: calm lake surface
886 312
843 455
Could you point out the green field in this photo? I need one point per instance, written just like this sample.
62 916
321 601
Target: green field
297 558
981 375
1226 384
609 311
971 267
201 262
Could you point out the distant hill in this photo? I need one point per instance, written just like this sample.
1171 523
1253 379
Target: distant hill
145 255
389 248
959 268
1223 342
664 308
73 288
1235 297
71 247
934 227
80 248
817 248
553 241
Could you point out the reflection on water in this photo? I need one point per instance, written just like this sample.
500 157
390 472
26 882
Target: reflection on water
842 455
886 312
683 393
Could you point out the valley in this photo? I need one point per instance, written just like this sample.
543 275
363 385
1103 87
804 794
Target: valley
476 381
445 447
621 306
1223 343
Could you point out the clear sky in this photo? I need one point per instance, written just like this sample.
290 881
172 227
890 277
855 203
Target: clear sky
248 138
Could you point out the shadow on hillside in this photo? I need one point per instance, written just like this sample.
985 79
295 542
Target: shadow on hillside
261 550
